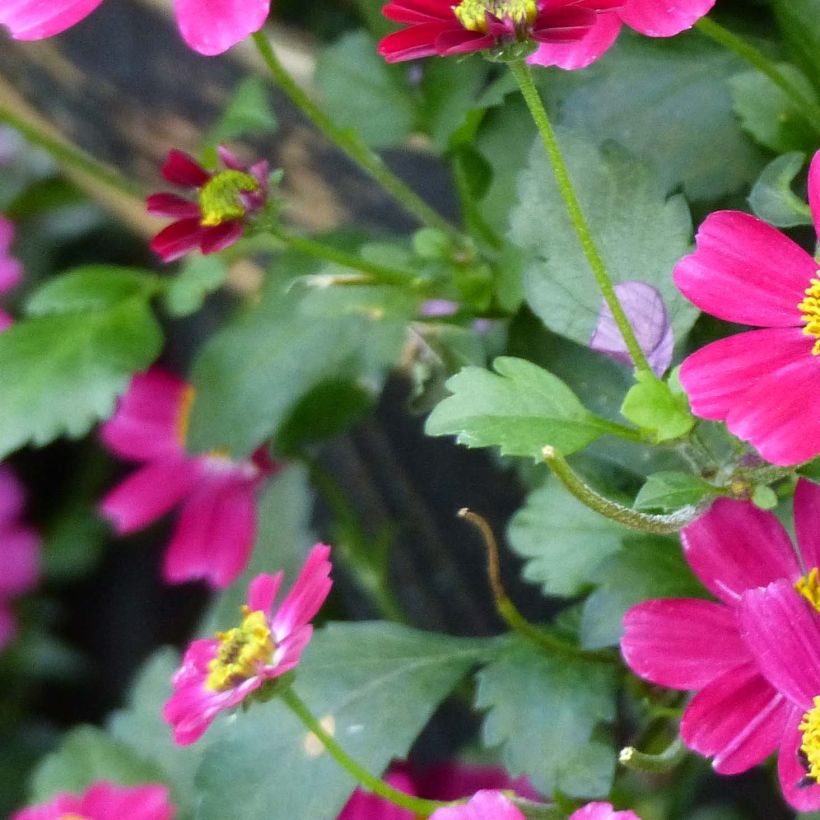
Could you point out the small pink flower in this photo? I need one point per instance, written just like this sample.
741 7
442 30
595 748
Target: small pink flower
19 551
207 26
214 536
487 804
759 382
650 17
736 717
217 218
105 801
218 673
602 811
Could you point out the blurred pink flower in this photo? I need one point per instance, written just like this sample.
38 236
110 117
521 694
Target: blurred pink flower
650 17
19 551
207 26
217 218
218 673
104 801
214 536
758 382
11 271
487 804
602 811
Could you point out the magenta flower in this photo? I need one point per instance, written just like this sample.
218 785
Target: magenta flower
11 271
224 201
650 17
737 717
647 314
20 553
782 630
218 673
368 806
105 801
445 28
487 804
602 811
207 26
745 271
215 533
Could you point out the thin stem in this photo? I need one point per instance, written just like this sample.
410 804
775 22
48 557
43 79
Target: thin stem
374 784
619 430
521 72
808 109
383 273
507 609
663 762
657 524
349 141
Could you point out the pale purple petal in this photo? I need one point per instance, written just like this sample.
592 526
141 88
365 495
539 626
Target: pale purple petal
213 26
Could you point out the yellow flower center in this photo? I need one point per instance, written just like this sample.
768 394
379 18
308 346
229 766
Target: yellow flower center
810 748
219 198
242 650
809 587
810 313
472 13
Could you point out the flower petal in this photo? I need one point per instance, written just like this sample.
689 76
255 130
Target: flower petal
12 496
35 19
663 19
368 806
183 170
580 53
799 793
737 719
307 594
814 190
177 239
419 11
213 26
8 625
136 803
165 204
807 522
19 560
735 546
484 805
745 271
602 811
263 590
219 237
782 633
682 643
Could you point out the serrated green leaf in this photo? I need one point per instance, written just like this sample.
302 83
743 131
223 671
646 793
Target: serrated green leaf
620 198
772 198
661 407
562 540
265 767
198 276
63 371
546 713
520 408
646 567
668 491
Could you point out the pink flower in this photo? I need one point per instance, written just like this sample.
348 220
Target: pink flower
444 28
782 630
214 536
759 382
218 673
105 801
487 804
368 806
20 552
736 717
650 17
11 271
602 811
217 218
207 26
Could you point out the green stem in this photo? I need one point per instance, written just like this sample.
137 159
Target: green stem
349 141
808 109
663 762
69 156
619 430
657 524
383 273
374 784
521 72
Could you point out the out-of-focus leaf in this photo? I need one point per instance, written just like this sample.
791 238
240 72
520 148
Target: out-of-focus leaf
772 198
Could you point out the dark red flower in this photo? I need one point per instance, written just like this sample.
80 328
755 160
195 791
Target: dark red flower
224 200
442 27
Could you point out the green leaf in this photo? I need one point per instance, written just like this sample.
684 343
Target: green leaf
772 198
248 113
546 713
360 90
639 232
62 372
251 374
520 410
799 22
646 567
661 407
562 540
374 685
769 114
668 491
86 754
74 543
199 276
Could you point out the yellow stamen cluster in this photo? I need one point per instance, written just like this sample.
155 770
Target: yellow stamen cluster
219 198
810 313
810 747
242 651
809 587
472 13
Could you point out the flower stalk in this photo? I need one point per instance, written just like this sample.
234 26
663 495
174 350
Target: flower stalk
666 760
